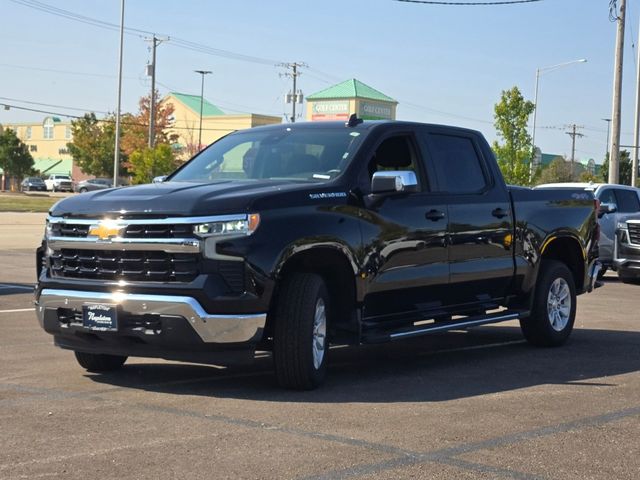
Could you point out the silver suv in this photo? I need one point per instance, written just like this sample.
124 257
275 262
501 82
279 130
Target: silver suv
619 204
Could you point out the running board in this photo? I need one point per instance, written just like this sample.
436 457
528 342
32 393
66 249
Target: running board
418 330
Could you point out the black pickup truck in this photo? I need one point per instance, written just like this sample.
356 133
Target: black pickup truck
288 238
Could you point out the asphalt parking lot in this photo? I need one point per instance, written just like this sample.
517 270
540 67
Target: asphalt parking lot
460 405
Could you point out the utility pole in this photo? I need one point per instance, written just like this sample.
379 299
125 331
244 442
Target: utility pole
614 151
151 71
636 133
116 155
573 134
202 73
294 96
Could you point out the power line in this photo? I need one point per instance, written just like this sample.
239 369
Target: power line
459 4
175 41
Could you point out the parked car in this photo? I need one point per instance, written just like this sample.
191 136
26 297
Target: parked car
30 184
356 233
626 255
92 184
618 204
59 183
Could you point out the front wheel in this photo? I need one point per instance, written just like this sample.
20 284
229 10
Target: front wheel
631 279
300 344
94 362
554 306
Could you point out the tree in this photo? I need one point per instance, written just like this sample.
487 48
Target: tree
558 171
93 144
15 159
514 154
625 168
135 131
149 163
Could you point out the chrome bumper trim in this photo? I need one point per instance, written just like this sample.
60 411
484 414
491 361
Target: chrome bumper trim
169 245
210 328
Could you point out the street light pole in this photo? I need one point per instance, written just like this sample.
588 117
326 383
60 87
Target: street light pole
608 120
202 73
535 105
116 155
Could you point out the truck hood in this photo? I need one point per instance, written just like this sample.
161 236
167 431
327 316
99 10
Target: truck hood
175 198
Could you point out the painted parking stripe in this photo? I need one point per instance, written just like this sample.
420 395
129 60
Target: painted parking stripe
16 310
18 287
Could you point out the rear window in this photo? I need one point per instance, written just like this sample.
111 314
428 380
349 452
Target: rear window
458 165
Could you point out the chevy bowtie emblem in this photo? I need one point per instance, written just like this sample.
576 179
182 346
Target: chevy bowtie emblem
105 231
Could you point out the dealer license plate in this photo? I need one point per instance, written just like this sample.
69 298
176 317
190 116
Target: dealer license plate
100 317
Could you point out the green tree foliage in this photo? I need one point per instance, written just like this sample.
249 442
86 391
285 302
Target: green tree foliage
514 153
15 158
558 171
93 144
149 163
625 168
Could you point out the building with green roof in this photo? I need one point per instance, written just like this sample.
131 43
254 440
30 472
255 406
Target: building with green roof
351 96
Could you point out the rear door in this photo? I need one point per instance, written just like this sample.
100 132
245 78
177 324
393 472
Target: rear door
480 218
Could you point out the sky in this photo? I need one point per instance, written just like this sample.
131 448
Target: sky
443 64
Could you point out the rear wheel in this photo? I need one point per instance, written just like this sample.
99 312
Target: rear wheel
300 343
83 190
94 362
554 306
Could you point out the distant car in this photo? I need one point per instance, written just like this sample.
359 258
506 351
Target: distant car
618 205
30 184
93 184
59 183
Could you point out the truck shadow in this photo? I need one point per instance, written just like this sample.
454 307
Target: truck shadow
442 367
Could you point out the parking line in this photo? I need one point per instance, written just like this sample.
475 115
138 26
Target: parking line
16 310
18 287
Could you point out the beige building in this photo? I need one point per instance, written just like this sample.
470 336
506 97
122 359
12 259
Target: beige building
215 123
47 142
47 139
351 96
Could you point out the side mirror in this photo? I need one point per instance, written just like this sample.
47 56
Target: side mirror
159 179
394 182
607 208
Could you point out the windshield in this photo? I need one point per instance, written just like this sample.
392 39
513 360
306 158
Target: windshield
310 154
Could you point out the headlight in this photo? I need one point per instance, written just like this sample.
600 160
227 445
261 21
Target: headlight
621 225
238 227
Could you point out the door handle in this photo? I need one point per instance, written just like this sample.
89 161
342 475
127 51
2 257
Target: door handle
499 213
434 215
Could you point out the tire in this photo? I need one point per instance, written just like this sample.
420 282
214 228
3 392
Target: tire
602 272
54 188
631 280
94 362
83 190
300 344
554 306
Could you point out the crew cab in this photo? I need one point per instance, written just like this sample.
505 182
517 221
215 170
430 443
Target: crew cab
290 238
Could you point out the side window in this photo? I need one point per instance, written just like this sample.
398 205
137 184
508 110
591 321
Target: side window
457 163
608 197
628 201
395 154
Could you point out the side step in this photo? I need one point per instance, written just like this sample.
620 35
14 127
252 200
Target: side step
381 336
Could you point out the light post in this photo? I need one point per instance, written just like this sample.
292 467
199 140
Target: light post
202 73
116 154
535 105
608 120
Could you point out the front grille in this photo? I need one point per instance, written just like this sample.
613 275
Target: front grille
634 232
124 265
70 229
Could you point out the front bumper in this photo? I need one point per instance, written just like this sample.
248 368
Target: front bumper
162 326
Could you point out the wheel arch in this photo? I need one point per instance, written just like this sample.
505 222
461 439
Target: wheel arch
568 250
337 267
